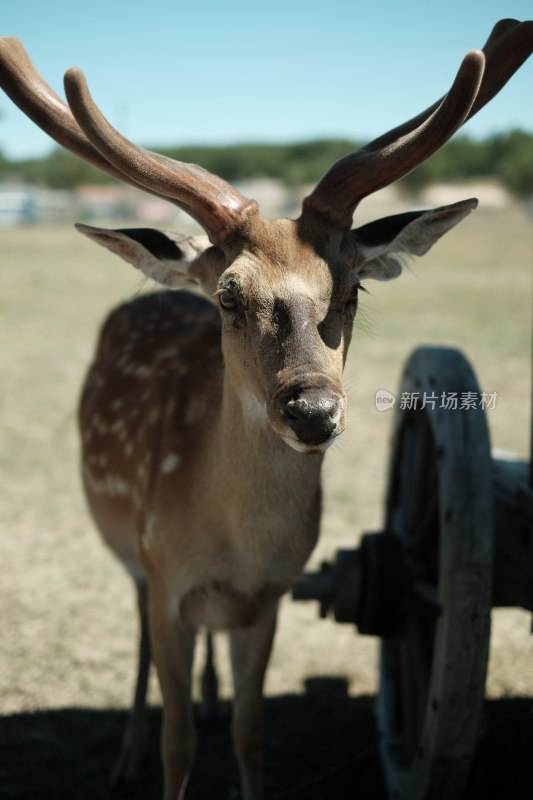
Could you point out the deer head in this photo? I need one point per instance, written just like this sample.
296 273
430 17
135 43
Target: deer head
287 290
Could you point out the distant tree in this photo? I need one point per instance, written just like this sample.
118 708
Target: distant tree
506 157
295 164
516 163
59 170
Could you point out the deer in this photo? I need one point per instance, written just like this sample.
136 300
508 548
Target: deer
205 415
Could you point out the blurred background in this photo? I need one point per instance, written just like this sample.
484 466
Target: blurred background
267 96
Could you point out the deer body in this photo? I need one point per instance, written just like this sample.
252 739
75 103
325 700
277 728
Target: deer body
177 516
203 434
161 467
188 481
204 422
174 441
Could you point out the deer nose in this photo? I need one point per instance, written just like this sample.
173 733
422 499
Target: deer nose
312 415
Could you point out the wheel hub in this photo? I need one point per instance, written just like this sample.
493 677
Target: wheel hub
364 586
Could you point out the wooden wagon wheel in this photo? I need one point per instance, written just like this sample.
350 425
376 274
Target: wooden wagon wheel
439 505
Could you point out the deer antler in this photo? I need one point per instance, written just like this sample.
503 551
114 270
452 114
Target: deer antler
23 84
216 205
212 202
391 156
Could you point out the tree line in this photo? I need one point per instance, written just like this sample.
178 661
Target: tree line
507 157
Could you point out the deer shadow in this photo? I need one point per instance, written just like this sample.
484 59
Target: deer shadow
320 744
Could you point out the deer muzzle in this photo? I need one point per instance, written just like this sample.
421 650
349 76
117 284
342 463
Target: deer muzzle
309 417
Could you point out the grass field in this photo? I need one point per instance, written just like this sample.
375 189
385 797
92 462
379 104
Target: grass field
67 623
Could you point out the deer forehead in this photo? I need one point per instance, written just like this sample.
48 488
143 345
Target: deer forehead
277 264
260 288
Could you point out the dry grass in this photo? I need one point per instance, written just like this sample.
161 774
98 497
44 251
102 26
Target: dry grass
68 628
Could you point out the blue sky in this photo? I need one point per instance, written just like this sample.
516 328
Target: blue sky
236 71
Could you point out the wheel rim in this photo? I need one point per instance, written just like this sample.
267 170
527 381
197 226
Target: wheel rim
440 506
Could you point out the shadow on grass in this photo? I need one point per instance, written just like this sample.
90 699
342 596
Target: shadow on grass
321 744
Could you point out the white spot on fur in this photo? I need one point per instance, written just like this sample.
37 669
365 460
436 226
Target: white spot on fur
137 501
149 531
99 425
118 425
110 485
142 372
169 352
153 416
170 463
116 487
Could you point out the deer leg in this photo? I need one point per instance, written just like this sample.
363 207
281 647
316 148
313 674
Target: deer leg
210 682
250 650
134 747
173 650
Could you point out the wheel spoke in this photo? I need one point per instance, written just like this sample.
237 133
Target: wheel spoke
409 703
422 446
424 529
419 641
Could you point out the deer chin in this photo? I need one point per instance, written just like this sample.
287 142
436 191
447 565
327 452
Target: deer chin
308 449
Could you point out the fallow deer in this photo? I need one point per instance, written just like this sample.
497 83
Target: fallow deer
204 421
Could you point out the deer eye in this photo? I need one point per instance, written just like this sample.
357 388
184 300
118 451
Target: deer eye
227 300
351 304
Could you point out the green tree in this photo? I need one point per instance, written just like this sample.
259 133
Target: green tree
506 157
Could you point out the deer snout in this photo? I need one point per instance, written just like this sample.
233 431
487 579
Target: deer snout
313 417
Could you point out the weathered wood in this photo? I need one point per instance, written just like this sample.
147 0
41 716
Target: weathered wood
513 528
440 505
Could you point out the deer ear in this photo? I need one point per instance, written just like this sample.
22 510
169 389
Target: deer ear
382 245
166 257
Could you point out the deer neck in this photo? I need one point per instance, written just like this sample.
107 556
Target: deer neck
252 452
